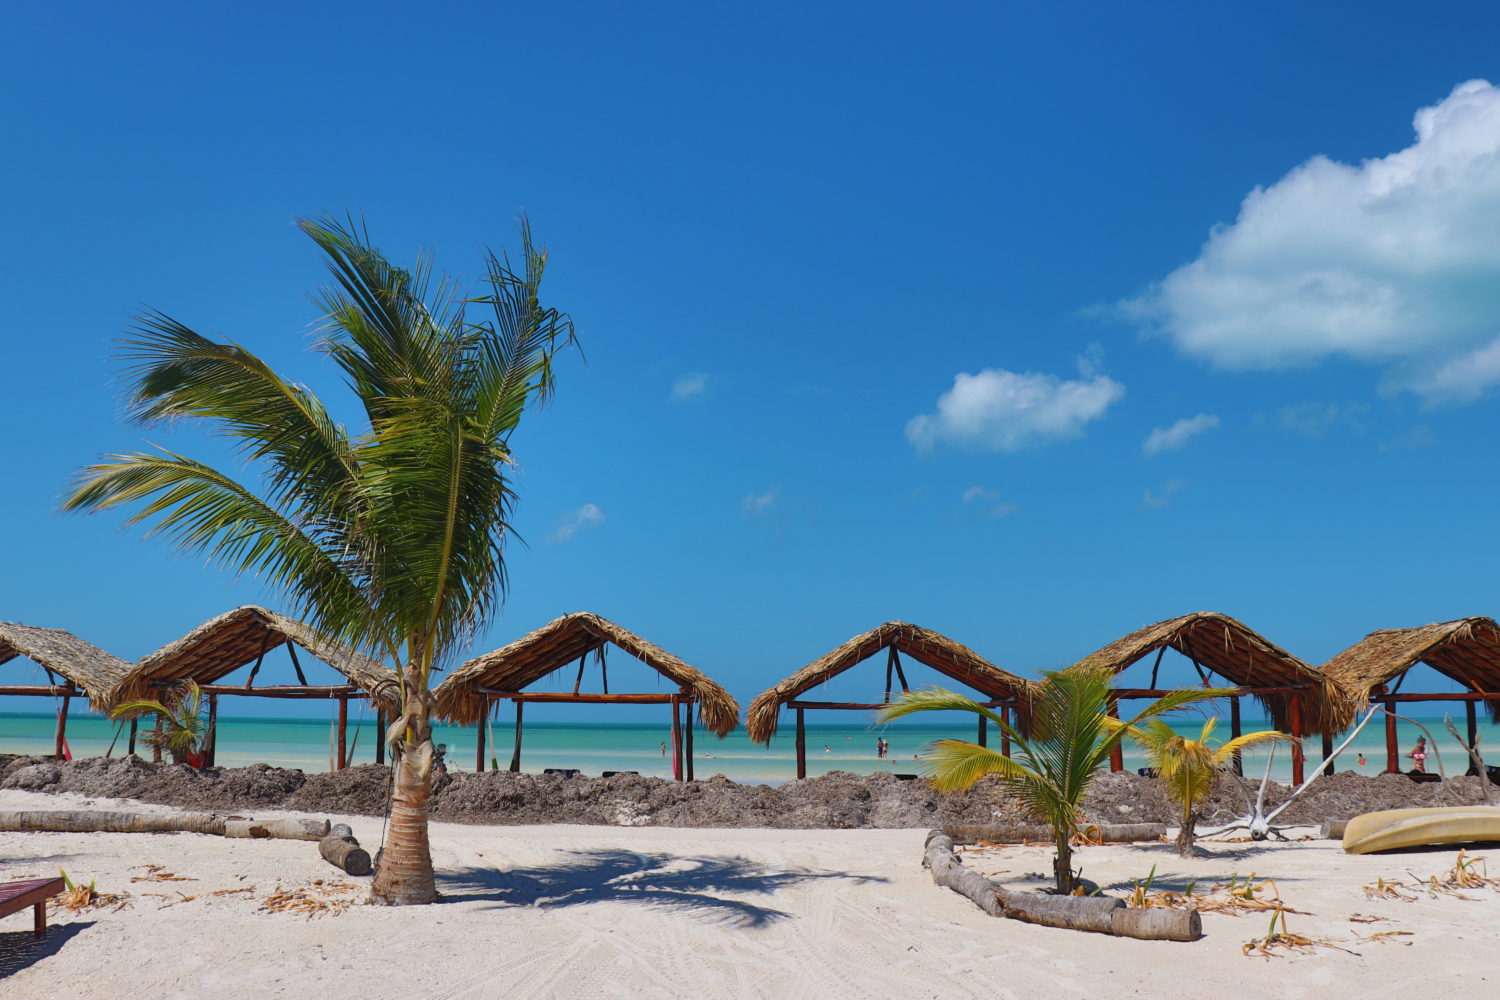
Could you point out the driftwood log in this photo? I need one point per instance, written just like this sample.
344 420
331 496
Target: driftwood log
1332 829
1103 914
346 854
90 821
1106 833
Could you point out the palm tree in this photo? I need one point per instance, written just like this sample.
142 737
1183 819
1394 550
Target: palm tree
1057 753
388 536
1188 768
181 728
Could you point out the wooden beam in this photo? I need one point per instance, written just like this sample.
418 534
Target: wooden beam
688 740
1238 761
48 690
1294 709
984 731
1116 752
1005 736
379 736
1469 696
343 733
133 723
62 725
1391 749
484 714
861 706
1471 718
581 698
211 754
291 647
275 691
1154 693
676 743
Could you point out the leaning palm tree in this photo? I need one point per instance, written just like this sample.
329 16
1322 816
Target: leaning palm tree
388 535
181 727
1066 740
1189 768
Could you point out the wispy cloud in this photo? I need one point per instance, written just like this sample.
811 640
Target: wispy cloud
690 385
1316 419
585 517
756 504
1392 260
1155 501
1003 410
1178 434
984 502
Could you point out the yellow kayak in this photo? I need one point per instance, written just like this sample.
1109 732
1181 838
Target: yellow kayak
1393 829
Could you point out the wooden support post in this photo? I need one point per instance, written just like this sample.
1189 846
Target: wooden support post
62 725
156 744
133 723
890 665
343 732
1328 752
1391 750
211 752
1234 731
676 743
484 715
984 731
801 745
380 736
1116 752
1004 736
515 757
1294 704
687 751
1471 717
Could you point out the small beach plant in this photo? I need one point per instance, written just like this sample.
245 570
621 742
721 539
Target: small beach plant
1055 755
183 725
1189 768
388 535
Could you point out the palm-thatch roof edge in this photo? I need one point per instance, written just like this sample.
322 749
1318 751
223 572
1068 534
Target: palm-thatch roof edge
1464 649
526 660
84 664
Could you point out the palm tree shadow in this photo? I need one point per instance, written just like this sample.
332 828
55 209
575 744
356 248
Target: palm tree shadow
705 885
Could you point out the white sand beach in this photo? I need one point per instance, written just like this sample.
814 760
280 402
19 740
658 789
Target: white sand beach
571 911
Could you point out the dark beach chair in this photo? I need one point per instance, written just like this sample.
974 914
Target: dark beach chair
16 896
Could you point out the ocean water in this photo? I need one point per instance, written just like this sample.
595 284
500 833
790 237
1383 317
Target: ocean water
595 747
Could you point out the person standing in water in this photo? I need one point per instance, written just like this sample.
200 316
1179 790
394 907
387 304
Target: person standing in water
1418 756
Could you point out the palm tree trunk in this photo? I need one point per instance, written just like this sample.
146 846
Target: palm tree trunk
405 876
1062 865
1187 835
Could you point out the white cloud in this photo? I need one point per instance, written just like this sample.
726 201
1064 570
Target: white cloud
1007 411
1392 260
974 493
1171 438
1154 501
690 385
1315 419
574 521
760 503
984 499
1460 379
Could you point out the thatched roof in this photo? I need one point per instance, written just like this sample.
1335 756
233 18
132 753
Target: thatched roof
236 638
555 645
924 645
63 653
1467 650
1241 656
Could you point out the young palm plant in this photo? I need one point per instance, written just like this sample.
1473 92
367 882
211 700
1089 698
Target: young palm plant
1056 755
1188 769
389 535
182 727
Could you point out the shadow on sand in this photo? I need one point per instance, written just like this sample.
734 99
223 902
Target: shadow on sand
704 885
19 949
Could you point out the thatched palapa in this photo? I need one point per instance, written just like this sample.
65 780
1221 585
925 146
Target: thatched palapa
557 644
83 664
243 636
1243 657
923 645
1466 650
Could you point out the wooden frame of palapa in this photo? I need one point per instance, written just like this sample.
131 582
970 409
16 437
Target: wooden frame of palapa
1466 650
1299 698
1003 690
471 692
222 645
74 668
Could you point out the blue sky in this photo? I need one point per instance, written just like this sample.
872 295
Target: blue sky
1028 325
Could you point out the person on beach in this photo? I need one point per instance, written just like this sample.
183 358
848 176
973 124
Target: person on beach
827 748
1418 756
1361 760
664 749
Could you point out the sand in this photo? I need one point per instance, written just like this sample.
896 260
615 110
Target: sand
576 911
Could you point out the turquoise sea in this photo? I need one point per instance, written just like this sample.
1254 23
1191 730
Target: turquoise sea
597 747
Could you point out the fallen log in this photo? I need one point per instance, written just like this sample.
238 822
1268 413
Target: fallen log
1332 829
278 829
346 854
94 821
1105 833
1102 914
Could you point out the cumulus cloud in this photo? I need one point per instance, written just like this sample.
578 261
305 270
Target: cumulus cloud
1006 411
760 503
1155 501
690 385
1171 438
574 521
1391 261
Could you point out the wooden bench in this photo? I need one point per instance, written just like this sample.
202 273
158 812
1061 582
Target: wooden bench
16 896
